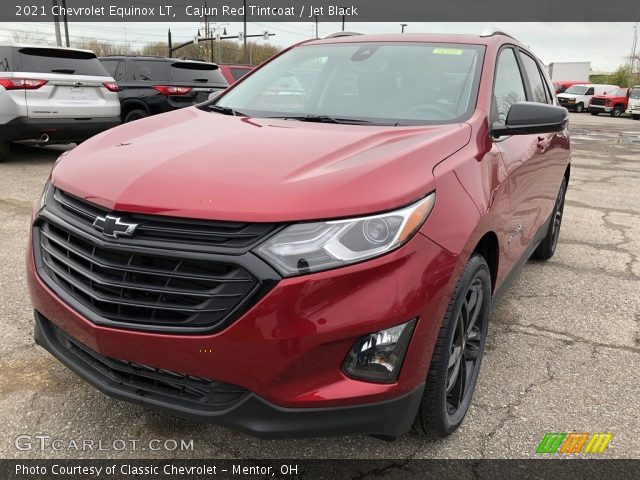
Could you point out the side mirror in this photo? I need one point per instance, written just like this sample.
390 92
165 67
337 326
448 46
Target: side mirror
214 95
525 118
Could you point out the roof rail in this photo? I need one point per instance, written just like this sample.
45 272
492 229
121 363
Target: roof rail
491 31
342 34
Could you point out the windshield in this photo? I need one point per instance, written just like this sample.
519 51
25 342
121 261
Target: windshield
385 83
576 89
620 92
635 93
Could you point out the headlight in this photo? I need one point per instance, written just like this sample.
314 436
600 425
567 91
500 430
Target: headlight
311 247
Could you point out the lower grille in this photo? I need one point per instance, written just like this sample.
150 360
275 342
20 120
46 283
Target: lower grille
597 101
154 382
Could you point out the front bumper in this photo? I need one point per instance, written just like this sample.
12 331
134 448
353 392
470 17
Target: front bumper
600 108
58 129
287 350
248 413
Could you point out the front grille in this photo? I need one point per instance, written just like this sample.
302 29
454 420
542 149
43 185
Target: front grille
149 381
133 286
597 101
223 236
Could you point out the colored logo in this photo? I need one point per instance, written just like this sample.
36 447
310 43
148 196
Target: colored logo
574 442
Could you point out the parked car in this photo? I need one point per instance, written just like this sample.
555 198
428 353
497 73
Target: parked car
561 86
578 97
152 85
53 94
633 107
233 73
317 267
614 103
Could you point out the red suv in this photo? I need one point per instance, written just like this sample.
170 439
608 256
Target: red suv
338 274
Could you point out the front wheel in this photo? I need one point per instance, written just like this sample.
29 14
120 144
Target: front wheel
616 112
593 112
579 108
457 356
635 117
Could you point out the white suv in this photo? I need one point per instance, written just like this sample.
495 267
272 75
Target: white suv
54 94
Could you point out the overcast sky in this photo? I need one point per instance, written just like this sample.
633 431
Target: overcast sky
605 45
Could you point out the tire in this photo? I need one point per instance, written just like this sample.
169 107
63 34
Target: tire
443 409
579 108
617 111
593 112
5 147
134 115
635 117
547 246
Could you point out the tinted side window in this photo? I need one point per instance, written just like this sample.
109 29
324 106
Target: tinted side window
151 70
5 59
536 82
589 91
238 73
508 87
54 60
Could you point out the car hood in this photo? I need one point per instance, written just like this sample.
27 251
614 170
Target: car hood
568 95
197 164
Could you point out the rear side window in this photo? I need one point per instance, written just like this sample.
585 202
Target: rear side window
196 73
508 87
536 82
154 71
54 60
238 73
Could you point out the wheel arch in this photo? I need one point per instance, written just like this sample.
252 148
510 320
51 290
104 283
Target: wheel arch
133 104
489 248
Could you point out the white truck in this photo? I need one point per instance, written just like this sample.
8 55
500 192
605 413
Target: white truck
633 108
562 71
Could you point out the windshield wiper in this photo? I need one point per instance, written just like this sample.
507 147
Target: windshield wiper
225 110
329 119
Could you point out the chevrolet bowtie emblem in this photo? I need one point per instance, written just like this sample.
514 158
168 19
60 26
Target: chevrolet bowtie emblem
113 227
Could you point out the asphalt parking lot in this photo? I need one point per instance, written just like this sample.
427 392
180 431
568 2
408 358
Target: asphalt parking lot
563 350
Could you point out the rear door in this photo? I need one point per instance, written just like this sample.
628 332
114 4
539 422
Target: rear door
74 85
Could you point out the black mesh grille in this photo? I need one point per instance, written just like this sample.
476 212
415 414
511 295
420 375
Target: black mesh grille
131 285
597 101
150 381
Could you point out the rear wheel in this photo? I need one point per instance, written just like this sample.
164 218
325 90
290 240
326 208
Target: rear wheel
4 150
580 108
457 356
593 112
134 115
547 247
617 111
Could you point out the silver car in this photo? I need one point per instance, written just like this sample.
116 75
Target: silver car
54 94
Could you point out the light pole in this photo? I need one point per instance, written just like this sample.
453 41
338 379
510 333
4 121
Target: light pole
403 25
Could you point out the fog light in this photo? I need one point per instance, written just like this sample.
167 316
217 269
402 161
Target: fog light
377 357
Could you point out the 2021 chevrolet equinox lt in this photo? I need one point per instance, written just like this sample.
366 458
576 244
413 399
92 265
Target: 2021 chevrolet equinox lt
316 250
54 94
